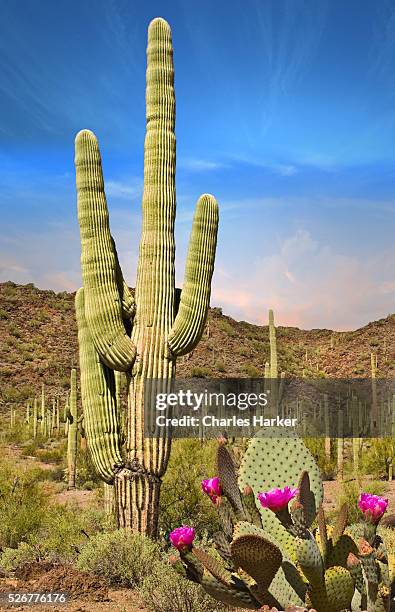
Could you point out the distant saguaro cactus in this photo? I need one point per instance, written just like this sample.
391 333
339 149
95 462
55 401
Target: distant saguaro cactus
72 431
144 335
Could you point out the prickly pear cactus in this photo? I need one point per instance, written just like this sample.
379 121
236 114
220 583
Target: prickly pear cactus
143 334
272 557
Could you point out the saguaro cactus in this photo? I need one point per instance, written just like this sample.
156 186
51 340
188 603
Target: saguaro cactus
144 335
72 431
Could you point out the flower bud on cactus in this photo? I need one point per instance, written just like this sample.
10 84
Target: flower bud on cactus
372 506
277 499
212 488
182 537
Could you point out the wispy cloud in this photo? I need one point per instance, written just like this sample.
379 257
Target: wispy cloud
124 189
281 169
200 165
289 39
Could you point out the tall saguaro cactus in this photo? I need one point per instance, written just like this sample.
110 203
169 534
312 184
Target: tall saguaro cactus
144 335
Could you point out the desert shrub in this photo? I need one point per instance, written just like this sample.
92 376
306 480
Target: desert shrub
226 327
163 590
120 557
375 461
12 558
50 455
220 366
64 531
350 493
22 504
200 372
252 371
86 472
31 446
182 500
242 350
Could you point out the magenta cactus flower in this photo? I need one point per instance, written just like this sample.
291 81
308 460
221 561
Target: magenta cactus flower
372 506
182 537
212 488
277 499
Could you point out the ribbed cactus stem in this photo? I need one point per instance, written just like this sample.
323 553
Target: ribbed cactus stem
273 346
53 418
35 418
42 423
356 441
57 417
28 413
72 431
340 446
327 428
109 499
374 410
66 422
273 362
147 346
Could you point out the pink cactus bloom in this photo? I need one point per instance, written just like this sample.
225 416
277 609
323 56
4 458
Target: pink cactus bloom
373 506
182 537
277 499
212 488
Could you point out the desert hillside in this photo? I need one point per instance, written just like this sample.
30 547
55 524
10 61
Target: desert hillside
38 341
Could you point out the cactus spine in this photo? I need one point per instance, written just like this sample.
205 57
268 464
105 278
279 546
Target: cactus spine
141 336
72 431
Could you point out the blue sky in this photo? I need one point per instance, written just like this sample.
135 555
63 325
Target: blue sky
285 112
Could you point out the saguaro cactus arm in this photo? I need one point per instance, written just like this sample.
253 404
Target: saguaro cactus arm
195 296
99 401
105 289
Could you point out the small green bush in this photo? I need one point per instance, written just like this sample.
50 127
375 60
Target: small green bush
87 476
22 504
163 590
220 366
200 372
12 558
120 557
50 455
62 532
226 327
375 461
252 371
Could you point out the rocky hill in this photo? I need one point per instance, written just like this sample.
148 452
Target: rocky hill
38 343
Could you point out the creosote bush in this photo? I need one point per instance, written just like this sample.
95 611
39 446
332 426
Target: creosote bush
120 557
59 537
23 504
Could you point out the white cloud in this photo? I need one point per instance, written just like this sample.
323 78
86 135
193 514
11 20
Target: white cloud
309 285
200 165
125 189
